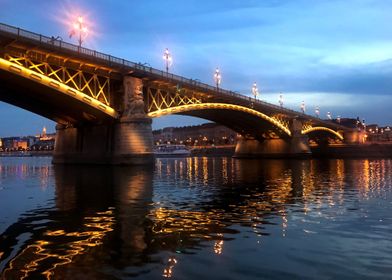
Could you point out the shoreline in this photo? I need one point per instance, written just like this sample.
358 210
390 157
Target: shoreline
369 150
27 154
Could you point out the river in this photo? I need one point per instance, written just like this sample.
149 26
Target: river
197 218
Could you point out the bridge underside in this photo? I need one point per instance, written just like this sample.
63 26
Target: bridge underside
47 101
324 137
247 125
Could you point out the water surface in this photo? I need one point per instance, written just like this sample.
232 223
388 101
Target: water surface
197 218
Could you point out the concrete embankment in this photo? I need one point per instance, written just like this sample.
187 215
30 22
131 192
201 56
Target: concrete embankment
370 150
214 151
27 154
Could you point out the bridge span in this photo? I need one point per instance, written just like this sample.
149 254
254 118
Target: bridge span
103 105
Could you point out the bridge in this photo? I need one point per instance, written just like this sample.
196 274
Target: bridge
104 105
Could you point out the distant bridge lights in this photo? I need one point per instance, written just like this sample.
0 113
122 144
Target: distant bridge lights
168 59
303 107
79 29
217 77
280 100
255 90
317 111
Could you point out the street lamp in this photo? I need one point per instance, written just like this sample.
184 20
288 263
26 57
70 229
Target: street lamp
78 27
281 100
168 59
317 111
217 77
303 107
329 116
338 119
255 90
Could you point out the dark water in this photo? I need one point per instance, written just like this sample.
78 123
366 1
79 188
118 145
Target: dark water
197 218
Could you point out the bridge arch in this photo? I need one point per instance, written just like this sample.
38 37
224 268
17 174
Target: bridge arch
321 128
39 89
198 107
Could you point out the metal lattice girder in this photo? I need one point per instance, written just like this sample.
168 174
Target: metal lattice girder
96 86
219 106
307 129
158 99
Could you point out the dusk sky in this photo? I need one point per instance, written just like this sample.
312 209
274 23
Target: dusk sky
332 54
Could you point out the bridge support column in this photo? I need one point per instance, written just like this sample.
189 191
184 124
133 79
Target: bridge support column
127 141
296 146
88 144
133 140
354 137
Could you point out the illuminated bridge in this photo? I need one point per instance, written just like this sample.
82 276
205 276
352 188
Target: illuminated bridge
103 105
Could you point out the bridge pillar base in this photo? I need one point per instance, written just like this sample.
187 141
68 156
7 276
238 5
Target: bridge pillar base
128 142
133 142
272 148
82 145
354 137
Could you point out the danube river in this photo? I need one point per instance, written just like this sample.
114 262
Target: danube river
197 218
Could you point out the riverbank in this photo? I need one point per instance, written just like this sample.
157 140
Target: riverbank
227 150
27 154
369 150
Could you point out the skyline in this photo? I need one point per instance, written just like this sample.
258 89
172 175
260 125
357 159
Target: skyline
325 54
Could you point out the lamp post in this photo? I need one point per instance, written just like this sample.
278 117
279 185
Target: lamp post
303 107
255 90
79 27
168 59
338 119
217 77
329 116
281 100
317 111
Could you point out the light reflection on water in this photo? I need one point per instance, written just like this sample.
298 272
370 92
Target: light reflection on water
194 218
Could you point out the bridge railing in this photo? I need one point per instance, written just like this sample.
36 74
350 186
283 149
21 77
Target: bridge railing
115 61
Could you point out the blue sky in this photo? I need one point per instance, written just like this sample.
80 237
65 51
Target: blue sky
332 54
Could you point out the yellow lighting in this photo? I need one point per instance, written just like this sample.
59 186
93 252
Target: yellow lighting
191 107
47 81
316 128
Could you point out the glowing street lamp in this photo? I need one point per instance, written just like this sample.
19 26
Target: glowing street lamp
168 59
303 107
281 100
338 119
255 90
317 111
329 116
217 77
79 27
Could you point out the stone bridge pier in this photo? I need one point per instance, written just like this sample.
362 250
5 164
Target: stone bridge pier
127 140
295 146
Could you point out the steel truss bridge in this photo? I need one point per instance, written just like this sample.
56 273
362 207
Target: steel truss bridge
76 86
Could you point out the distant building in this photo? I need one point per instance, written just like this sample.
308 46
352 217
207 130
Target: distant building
377 133
205 134
42 141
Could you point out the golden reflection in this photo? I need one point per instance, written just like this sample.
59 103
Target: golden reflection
225 172
168 270
189 166
196 223
218 246
205 170
196 169
31 258
86 194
